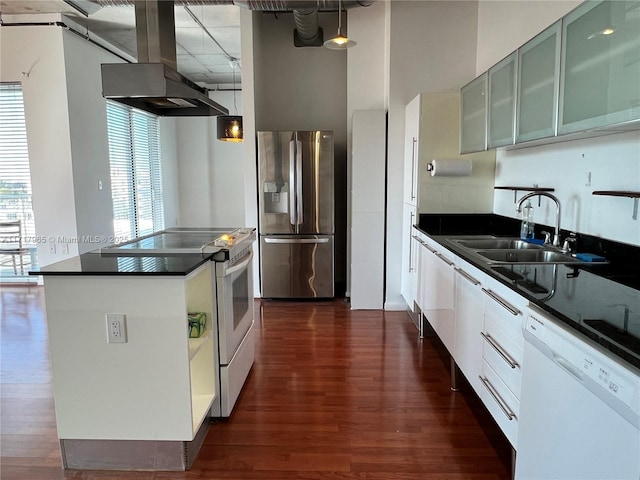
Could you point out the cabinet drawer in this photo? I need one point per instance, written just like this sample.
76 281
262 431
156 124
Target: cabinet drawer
504 307
503 354
503 406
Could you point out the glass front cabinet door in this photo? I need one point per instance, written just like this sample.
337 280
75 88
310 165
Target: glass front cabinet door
600 79
538 79
473 131
502 102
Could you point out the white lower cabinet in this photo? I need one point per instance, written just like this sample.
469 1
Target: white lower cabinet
479 320
502 350
409 277
469 319
436 290
502 404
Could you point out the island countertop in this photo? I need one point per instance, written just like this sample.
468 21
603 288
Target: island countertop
95 263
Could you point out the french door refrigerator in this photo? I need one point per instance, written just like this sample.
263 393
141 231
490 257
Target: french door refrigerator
296 228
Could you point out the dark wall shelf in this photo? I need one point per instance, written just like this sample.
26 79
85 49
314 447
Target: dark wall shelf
622 193
617 193
523 189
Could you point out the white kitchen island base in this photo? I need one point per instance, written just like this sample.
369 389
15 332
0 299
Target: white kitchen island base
143 403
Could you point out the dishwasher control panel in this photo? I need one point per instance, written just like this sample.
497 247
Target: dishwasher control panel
582 361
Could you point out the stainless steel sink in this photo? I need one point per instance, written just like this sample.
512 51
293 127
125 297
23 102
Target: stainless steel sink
527 256
499 244
507 250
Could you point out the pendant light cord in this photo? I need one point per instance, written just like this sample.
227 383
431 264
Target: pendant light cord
235 105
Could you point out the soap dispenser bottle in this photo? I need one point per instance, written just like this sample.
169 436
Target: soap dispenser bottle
527 225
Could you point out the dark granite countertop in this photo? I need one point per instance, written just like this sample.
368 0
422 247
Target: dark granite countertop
99 264
598 301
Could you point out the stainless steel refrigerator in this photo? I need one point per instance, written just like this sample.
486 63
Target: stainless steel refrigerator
296 228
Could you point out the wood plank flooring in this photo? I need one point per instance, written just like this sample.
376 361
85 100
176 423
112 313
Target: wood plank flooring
333 394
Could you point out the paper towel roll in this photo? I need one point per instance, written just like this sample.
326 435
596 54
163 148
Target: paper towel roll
450 167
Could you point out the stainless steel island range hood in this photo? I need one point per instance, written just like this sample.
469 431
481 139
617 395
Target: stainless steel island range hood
153 84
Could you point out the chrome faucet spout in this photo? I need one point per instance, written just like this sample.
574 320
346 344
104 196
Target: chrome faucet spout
556 233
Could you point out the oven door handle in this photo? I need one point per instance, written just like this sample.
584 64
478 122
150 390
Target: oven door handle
239 266
296 240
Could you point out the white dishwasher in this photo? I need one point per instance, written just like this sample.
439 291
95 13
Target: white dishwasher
579 410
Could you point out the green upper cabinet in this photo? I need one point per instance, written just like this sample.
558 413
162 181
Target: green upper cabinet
600 76
473 131
502 102
538 81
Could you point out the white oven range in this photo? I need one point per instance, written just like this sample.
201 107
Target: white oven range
232 254
235 317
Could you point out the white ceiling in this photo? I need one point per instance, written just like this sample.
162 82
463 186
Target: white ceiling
199 58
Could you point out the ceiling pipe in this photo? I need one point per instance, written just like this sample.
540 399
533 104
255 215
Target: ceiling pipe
305 12
258 5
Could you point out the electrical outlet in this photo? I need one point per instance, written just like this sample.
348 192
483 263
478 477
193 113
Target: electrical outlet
116 328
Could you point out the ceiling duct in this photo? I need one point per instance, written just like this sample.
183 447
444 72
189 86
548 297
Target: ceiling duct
153 84
307 33
305 13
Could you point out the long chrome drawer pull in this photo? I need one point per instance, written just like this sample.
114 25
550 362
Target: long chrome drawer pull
435 252
467 276
501 403
498 348
514 311
445 260
417 239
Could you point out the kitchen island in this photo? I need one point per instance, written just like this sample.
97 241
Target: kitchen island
138 397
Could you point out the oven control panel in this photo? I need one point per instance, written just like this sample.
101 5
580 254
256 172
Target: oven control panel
232 238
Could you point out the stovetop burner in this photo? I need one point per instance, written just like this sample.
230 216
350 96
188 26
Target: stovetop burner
181 240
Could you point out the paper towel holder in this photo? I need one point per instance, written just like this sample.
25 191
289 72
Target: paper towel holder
447 171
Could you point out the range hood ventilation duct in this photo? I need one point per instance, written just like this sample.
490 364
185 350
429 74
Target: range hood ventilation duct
154 84
305 12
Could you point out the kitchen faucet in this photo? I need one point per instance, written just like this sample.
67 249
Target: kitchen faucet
556 234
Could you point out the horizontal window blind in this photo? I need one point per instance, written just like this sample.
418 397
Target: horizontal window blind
136 174
15 177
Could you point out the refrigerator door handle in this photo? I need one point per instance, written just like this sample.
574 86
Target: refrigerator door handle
292 183
299 197
296 240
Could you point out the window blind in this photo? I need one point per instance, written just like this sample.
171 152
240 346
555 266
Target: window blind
136 173
15 176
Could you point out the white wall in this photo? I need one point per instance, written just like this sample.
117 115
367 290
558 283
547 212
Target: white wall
614 163
227 170
170 172
67 135
41 58
89 139
614 160
249 125
505 25
432 49
194 169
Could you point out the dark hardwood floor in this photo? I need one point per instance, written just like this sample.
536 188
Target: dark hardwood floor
333 394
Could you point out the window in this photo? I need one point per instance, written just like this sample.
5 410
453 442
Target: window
15 176
136 175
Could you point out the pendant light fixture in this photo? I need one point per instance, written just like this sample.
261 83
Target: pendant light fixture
229 127
339 42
